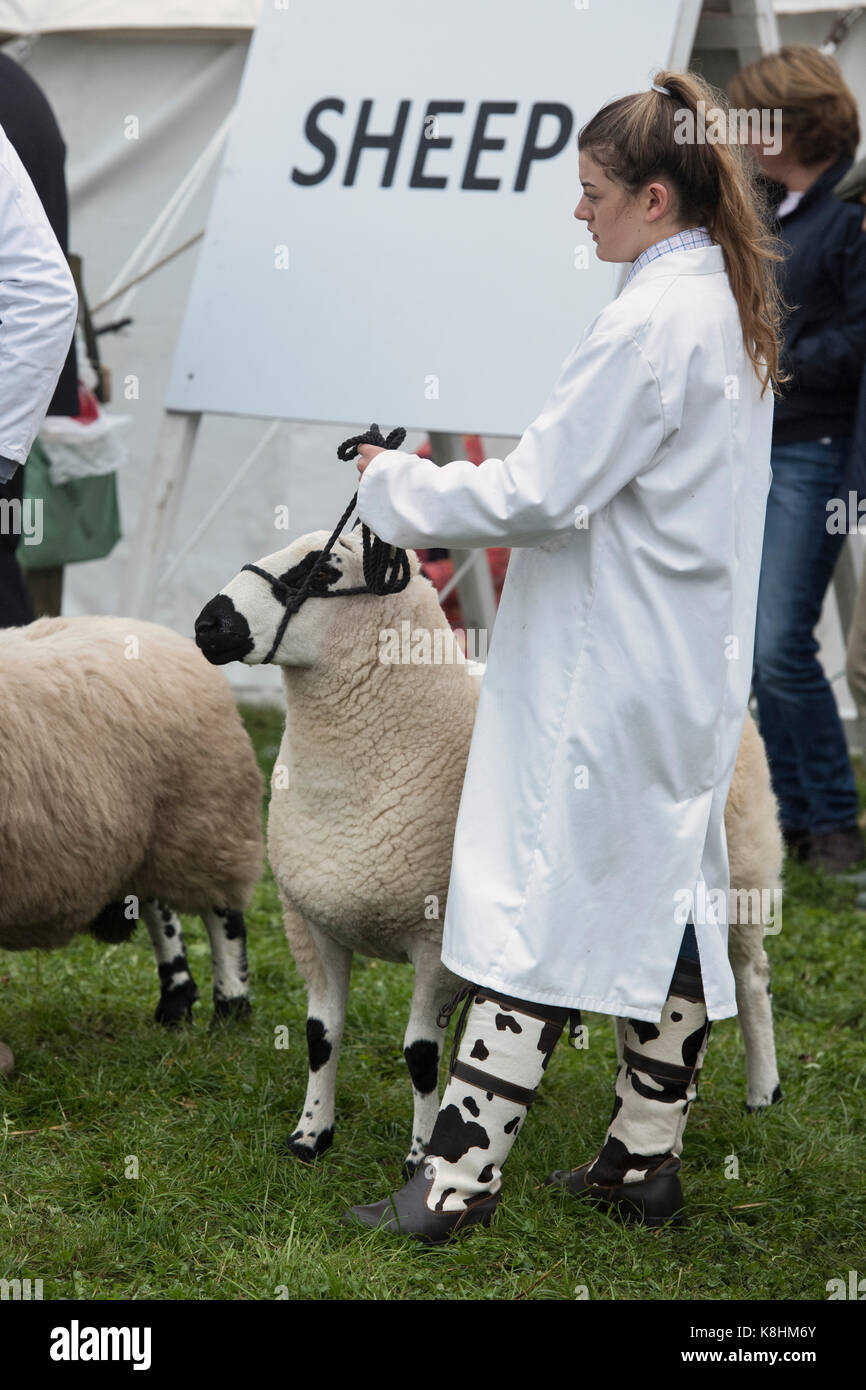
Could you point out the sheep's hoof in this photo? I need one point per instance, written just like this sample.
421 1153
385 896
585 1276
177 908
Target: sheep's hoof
230 1011
308 1153
774 1100
410 1168
175 1006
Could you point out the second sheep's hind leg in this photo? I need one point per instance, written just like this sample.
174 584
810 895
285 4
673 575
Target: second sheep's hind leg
177 989
228 946
422 1045
751 968
326 967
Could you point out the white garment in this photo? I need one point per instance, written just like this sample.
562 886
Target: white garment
75 449
38 308
789 202
619 668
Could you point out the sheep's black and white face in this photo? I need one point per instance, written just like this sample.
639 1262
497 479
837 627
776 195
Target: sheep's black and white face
241 623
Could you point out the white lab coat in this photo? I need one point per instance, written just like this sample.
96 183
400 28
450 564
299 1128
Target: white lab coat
38 309
619 668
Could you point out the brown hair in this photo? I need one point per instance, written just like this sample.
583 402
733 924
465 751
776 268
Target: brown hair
819 113
639 138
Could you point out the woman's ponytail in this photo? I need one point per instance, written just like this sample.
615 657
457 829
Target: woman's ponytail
652 135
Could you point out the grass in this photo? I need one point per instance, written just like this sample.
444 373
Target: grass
217 1213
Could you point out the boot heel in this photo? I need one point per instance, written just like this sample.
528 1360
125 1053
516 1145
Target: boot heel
656 1200
659 1201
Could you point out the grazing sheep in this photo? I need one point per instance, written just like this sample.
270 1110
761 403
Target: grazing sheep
364 804
130 788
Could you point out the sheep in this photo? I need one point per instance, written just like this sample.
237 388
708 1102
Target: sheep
360 855
130 788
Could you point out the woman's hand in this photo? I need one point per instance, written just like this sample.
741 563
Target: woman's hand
367 452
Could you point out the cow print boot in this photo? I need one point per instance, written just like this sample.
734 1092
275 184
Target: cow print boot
637 1171
504 1045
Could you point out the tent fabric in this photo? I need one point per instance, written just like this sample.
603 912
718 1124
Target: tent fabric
20 17
68 16
93 80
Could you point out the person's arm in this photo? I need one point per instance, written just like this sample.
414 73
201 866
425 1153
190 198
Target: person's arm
600 427
38 310
831 358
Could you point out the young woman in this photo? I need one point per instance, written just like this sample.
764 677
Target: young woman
591 825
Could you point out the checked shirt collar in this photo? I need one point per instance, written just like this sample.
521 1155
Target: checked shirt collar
688 240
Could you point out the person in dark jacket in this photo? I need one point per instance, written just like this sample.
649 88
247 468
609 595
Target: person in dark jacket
823 280
852 189
31 127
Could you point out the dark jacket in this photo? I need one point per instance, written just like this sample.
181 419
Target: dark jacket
824 278
30 124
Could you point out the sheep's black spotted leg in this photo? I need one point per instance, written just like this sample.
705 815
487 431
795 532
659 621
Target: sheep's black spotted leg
328 989
177 988
422 1045
228 945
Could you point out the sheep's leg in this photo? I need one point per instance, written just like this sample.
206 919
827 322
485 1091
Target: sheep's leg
326 967
178 990
422 1045
751 968
228 948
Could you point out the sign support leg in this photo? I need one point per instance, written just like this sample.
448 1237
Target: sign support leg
166 481
475 588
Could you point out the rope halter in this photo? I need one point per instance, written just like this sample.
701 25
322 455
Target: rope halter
386 567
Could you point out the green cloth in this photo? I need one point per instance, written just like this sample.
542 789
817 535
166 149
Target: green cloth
80 519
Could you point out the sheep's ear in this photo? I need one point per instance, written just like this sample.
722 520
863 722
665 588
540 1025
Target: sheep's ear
414 563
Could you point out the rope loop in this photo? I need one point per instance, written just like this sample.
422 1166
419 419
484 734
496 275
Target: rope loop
349 447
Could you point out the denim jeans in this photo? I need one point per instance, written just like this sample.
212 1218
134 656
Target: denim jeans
689 946
809 764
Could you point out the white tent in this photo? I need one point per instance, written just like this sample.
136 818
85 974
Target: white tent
175 67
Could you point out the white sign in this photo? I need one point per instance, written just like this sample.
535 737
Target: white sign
392 236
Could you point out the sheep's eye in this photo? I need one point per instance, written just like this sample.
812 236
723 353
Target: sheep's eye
327 575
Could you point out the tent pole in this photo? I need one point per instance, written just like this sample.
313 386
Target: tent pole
148 249
216 507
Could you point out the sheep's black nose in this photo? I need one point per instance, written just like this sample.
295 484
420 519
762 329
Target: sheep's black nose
222 634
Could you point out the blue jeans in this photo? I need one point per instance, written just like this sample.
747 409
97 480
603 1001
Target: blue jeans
809 764
689 946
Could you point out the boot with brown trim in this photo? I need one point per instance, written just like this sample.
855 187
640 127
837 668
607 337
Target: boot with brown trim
636 1174
504 1045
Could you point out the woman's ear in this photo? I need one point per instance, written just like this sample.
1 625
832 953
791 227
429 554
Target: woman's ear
659 201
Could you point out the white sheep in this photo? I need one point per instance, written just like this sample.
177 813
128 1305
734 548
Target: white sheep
364 803
130 787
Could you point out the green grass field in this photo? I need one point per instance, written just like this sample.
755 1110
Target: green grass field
217 1213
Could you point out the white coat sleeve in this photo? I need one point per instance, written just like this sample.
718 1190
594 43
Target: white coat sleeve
600 427
38 308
